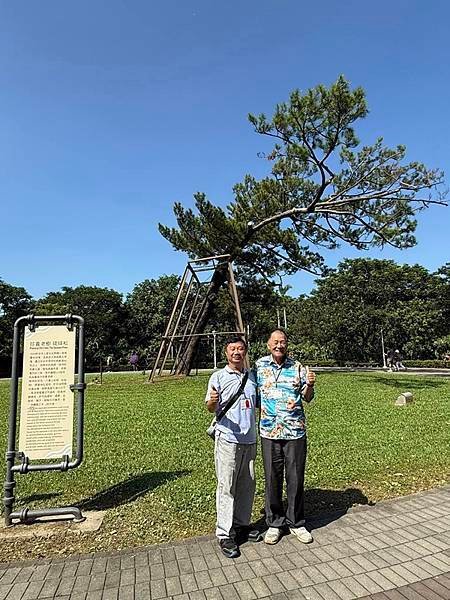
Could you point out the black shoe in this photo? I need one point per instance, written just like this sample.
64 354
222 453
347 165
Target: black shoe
248 534
254 535
229 548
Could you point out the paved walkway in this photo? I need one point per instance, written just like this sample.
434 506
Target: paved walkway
395 550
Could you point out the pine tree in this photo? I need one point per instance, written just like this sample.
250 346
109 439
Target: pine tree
323 189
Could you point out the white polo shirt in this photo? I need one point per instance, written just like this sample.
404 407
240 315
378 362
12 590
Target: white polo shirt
238 426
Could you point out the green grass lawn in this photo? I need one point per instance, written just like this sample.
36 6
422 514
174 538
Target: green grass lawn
149 462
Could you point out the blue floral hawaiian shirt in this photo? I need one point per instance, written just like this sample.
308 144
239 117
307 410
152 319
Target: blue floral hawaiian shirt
282 414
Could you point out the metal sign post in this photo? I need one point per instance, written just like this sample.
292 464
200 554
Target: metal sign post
46 407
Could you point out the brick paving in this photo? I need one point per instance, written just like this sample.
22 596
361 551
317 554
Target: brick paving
396 550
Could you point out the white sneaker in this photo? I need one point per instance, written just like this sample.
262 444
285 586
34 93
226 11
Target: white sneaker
272 536
302 534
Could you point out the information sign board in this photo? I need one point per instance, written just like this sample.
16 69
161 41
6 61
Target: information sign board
47 402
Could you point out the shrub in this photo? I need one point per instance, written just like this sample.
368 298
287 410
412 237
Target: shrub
428 364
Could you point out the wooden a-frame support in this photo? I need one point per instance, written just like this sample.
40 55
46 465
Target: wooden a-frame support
187 305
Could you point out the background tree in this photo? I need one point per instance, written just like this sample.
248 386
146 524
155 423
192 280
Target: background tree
302 341
442 344
259 301
323 189
442 347
15 302
348 308
104 314
149 306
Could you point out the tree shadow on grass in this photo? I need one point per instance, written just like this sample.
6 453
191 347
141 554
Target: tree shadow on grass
405 383
324 506
129 490
38 497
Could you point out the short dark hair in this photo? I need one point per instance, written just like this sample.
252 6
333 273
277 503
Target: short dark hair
281 330
234 339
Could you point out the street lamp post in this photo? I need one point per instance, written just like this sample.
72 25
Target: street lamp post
215 349
382 349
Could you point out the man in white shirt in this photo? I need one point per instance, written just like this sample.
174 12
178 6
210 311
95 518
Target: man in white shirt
235 449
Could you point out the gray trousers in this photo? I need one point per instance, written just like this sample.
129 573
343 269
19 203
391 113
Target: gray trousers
235 471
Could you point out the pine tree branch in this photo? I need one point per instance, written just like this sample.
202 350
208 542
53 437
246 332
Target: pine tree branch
287 259
374 230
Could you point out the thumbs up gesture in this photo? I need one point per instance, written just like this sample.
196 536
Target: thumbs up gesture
214 395
212 399
310 376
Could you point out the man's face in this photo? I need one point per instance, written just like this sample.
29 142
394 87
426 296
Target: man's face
277 345
235 354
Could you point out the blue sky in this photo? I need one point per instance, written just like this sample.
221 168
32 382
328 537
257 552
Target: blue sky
110 111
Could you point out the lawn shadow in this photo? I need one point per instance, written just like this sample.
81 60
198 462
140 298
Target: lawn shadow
38 497
129 490
406 383
324 506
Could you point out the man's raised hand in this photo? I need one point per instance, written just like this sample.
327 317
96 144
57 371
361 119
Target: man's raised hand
310 376
214 395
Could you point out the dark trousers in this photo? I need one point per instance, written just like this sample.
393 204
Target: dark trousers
284 458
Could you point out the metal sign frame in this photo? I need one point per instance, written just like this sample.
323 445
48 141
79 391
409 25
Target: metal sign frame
27 515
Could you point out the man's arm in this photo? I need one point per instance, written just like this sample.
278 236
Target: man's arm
253 376
308 387
212 395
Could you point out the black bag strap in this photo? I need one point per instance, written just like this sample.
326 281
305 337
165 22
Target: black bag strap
233 399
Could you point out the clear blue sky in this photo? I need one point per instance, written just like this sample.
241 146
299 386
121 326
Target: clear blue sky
112 110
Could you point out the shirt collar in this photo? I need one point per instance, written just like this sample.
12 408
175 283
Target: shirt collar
228 369
273 362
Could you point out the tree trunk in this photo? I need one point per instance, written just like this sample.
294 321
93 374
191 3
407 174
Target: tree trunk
188 353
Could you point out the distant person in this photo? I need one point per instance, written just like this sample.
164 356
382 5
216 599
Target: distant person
390 360
398 361
109 362
134 359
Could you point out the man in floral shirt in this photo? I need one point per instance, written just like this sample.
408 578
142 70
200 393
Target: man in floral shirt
282 386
